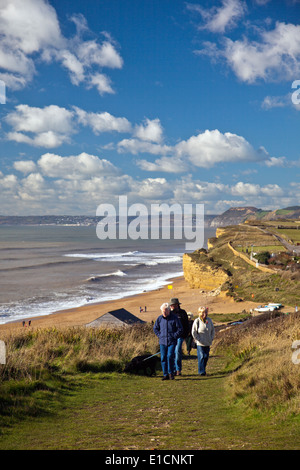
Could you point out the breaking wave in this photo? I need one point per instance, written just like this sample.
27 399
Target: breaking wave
131 257
99 277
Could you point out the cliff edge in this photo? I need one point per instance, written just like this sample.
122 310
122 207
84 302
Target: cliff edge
202 272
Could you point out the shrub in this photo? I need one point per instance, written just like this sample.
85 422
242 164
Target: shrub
263 257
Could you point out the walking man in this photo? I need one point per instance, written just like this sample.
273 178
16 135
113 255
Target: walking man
183 318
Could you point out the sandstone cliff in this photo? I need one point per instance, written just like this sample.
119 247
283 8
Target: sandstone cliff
199 272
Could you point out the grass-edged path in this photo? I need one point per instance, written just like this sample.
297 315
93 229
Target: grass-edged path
111 411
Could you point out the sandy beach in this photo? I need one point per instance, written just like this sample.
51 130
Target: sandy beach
190 299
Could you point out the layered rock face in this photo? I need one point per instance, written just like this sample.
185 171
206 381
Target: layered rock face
202 275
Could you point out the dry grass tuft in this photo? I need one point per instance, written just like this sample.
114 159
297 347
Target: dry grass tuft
266 378
31 353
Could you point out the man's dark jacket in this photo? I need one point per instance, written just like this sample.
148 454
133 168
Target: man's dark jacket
168 329
182 316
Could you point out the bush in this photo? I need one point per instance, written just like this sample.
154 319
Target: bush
263 257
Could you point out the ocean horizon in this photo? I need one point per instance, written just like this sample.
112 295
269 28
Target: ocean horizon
45 269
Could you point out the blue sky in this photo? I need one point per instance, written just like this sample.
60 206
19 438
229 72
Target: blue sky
161 100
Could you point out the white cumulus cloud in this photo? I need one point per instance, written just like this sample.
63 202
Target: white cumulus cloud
102 122
104 55
26 28
211 147
79 166
52 125
150 130
203 150
43 127
165 164
30 32
274 56
25 166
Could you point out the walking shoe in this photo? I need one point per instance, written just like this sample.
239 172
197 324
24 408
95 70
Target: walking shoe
171 376
165 377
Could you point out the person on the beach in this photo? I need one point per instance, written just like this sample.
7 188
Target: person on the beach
167 328
203 332
183 318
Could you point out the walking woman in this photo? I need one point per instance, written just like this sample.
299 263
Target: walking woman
203 332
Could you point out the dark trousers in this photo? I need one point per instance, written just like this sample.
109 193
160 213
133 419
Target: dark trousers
178 355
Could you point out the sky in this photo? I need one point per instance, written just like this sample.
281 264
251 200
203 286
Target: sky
162 101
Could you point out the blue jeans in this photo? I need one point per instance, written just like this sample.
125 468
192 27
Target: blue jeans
203 354
167 358
178 354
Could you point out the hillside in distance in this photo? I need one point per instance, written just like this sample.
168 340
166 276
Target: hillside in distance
238 215
233 216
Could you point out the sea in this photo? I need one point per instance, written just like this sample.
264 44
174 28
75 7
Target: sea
49 268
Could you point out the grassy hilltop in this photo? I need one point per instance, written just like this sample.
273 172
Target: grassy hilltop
279 283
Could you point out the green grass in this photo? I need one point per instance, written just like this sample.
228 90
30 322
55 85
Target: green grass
264 288
261 214
117 411
290 234
228 317
283 211
84 401
259 248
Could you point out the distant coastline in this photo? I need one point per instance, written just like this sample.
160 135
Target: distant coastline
66 220
232 216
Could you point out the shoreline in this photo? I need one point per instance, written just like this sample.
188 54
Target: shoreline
190 299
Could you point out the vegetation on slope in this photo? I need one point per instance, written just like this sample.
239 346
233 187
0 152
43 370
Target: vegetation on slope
47 366
43 364
246 281
260 350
